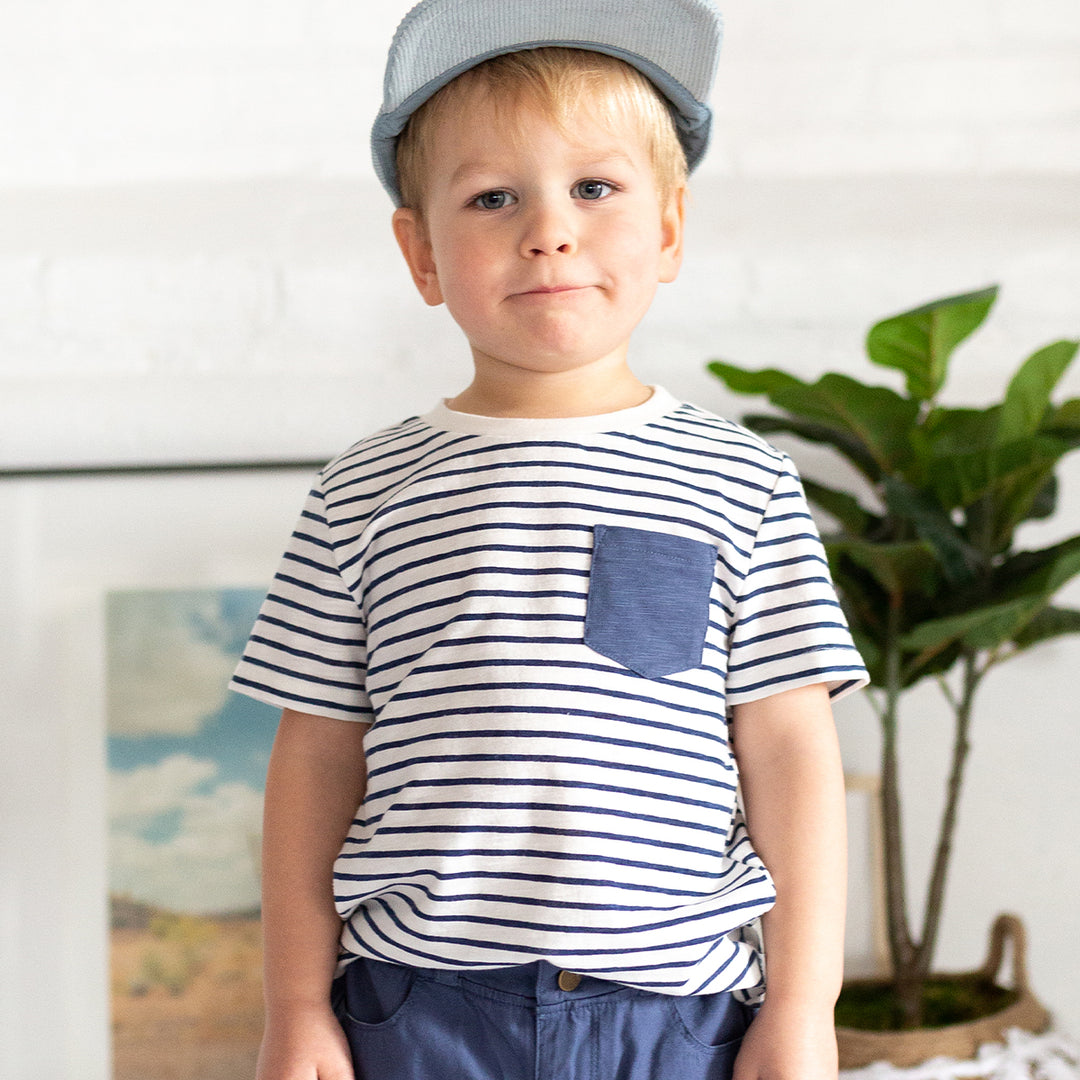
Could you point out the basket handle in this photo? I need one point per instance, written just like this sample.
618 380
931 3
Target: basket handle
1008 928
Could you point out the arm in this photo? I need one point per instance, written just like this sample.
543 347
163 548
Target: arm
793 792
314 784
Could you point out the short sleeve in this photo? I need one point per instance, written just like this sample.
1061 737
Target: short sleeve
307 650
788 629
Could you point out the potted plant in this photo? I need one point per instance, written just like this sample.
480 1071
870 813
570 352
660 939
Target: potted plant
924 555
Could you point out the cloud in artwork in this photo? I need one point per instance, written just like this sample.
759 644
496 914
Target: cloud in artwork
142 794
206 861
169 664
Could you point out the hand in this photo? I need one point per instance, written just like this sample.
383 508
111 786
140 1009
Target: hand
789 1043
304 1045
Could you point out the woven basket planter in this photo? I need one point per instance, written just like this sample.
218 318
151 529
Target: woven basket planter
905 1049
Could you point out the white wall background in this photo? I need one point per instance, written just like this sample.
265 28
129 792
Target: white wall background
195 263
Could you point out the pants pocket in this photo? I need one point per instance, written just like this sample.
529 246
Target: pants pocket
370 994
713 1022
648 604
402 1024
660 1037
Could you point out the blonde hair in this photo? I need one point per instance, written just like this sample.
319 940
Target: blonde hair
556 81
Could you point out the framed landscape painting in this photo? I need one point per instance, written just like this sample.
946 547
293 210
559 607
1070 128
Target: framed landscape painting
186 762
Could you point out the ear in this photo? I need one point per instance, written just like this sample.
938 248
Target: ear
672 220
412 237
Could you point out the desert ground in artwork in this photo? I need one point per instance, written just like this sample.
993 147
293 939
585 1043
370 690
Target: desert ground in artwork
186 995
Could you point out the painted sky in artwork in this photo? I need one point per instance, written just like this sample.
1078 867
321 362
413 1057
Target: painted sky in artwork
187 758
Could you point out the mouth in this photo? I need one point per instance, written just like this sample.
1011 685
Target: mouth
552 290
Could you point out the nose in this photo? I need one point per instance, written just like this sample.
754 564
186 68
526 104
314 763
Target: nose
548 230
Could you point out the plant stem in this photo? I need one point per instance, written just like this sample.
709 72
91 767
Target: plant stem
900 945
961 746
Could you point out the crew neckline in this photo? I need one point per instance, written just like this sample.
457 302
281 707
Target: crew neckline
659 404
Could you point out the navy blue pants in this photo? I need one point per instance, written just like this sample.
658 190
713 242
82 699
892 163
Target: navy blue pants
531 1022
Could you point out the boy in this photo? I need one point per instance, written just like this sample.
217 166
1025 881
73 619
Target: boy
540 634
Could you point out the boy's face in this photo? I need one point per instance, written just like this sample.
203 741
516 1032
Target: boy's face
547 246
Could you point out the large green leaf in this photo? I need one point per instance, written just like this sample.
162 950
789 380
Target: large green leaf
877 417
1015 573
961 431
1022 616
1028 396
842 507
1039 573
898 568
841 441
1049 623
920 342
1044 504
861 595
1064 422
1030 581
1018 496
958 480
991 521
741 381
986 627
959 560
934 662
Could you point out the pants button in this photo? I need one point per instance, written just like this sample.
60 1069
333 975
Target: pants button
569 980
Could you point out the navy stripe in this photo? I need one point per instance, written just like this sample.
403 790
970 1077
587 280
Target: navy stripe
538 880
486 639
564 665
558 808
303 655
437 540
500 898
520 853
293 630
772 658
715 736
507 507
318 680
584 785
307 586
807 674
535 830
326 616
517 733
476 549
558 928
313 705
551 759
477 571
489 688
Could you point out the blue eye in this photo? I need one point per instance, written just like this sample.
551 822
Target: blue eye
591 190
493 200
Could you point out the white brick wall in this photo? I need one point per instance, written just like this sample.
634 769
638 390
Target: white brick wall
195 262
963 86
126 91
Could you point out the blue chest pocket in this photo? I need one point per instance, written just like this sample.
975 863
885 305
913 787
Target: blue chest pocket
648 606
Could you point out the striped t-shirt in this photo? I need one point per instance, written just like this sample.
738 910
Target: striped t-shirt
546 623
